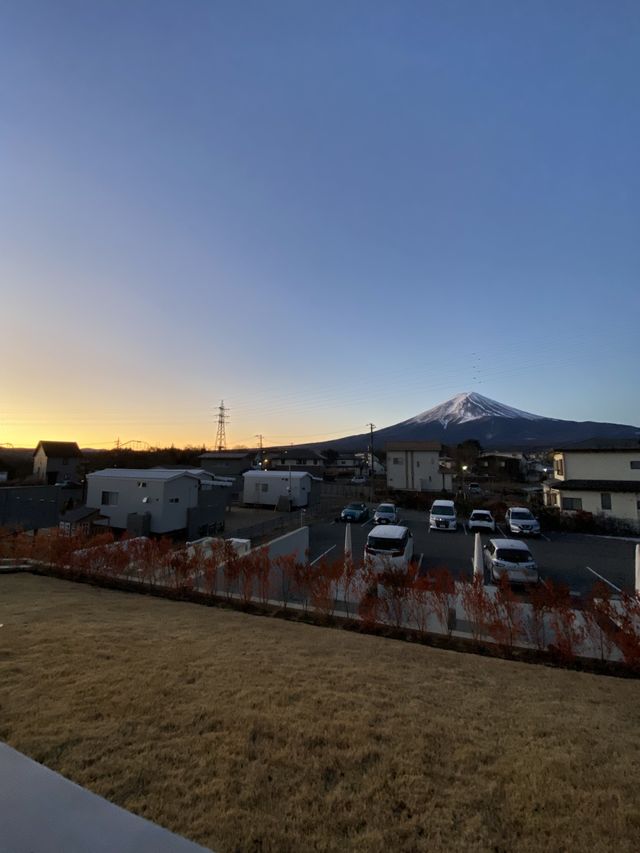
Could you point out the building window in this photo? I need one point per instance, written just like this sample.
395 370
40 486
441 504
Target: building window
417 464
142 484
174 500
605 500
635 464
265 487
109 499
396 460
558 465
572 504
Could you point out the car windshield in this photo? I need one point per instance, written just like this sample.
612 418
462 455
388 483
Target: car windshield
481 516
513 555
380 544
355 506
386 508
522 515
442 510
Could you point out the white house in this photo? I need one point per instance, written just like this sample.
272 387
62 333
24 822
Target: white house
166 497
270 488
601 477
56 461
415 466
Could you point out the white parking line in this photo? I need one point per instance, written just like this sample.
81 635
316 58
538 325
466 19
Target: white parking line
420 562
545 537
333 522
464 527
368 521
313 562
502 531
612 585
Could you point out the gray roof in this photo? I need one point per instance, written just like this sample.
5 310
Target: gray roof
414 445
59 449
159 474
227 454
632 486
78 514
609 444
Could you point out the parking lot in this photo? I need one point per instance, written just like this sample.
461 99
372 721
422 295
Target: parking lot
576 560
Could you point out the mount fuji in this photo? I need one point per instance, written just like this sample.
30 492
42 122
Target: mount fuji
494 425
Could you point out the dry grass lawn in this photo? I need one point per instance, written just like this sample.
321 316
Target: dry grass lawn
250 733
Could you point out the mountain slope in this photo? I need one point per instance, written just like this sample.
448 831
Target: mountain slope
494 425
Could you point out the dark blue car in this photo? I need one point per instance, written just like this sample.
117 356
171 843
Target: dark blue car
355 512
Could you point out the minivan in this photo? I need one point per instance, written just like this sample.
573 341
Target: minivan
389 546
442 516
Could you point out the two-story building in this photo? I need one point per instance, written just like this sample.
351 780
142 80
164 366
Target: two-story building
597 476
415 466
158 500
56 462
296 459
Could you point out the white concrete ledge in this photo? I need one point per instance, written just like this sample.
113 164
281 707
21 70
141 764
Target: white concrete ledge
42 812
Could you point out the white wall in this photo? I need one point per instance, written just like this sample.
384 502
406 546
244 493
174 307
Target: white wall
624 505
165 516
599 465
277 486
415 470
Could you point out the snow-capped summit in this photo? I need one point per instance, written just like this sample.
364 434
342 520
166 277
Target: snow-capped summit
469 406
495 425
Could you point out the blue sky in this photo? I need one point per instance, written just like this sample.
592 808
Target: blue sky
324 213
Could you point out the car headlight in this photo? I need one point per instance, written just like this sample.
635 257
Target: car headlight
515 527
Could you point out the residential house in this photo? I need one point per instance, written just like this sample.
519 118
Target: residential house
56 462
231 464
415 466
296 459
79 521
597 476
228 463
159 500
501 465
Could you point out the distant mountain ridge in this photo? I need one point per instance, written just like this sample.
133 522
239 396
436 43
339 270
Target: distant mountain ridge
495 425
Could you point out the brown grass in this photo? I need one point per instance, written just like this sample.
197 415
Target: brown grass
249 733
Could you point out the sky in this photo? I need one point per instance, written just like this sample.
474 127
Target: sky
323 213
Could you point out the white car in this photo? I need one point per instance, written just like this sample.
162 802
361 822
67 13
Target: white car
442 516
519 519
386 514
481 519
511 557
389 546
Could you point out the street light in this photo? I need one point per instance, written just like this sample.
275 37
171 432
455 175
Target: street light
464 469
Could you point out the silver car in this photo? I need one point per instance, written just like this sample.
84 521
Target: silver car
519 519
511 557
386 514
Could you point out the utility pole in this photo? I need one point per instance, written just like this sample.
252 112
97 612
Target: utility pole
371 429
259 437
223 417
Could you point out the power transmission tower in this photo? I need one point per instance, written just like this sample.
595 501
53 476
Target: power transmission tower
221 435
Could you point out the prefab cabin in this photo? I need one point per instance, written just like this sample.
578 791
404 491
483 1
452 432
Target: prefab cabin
270 488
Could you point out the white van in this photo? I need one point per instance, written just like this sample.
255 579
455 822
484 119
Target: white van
389 546
442 516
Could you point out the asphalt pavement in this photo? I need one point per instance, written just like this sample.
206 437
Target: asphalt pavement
576 560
